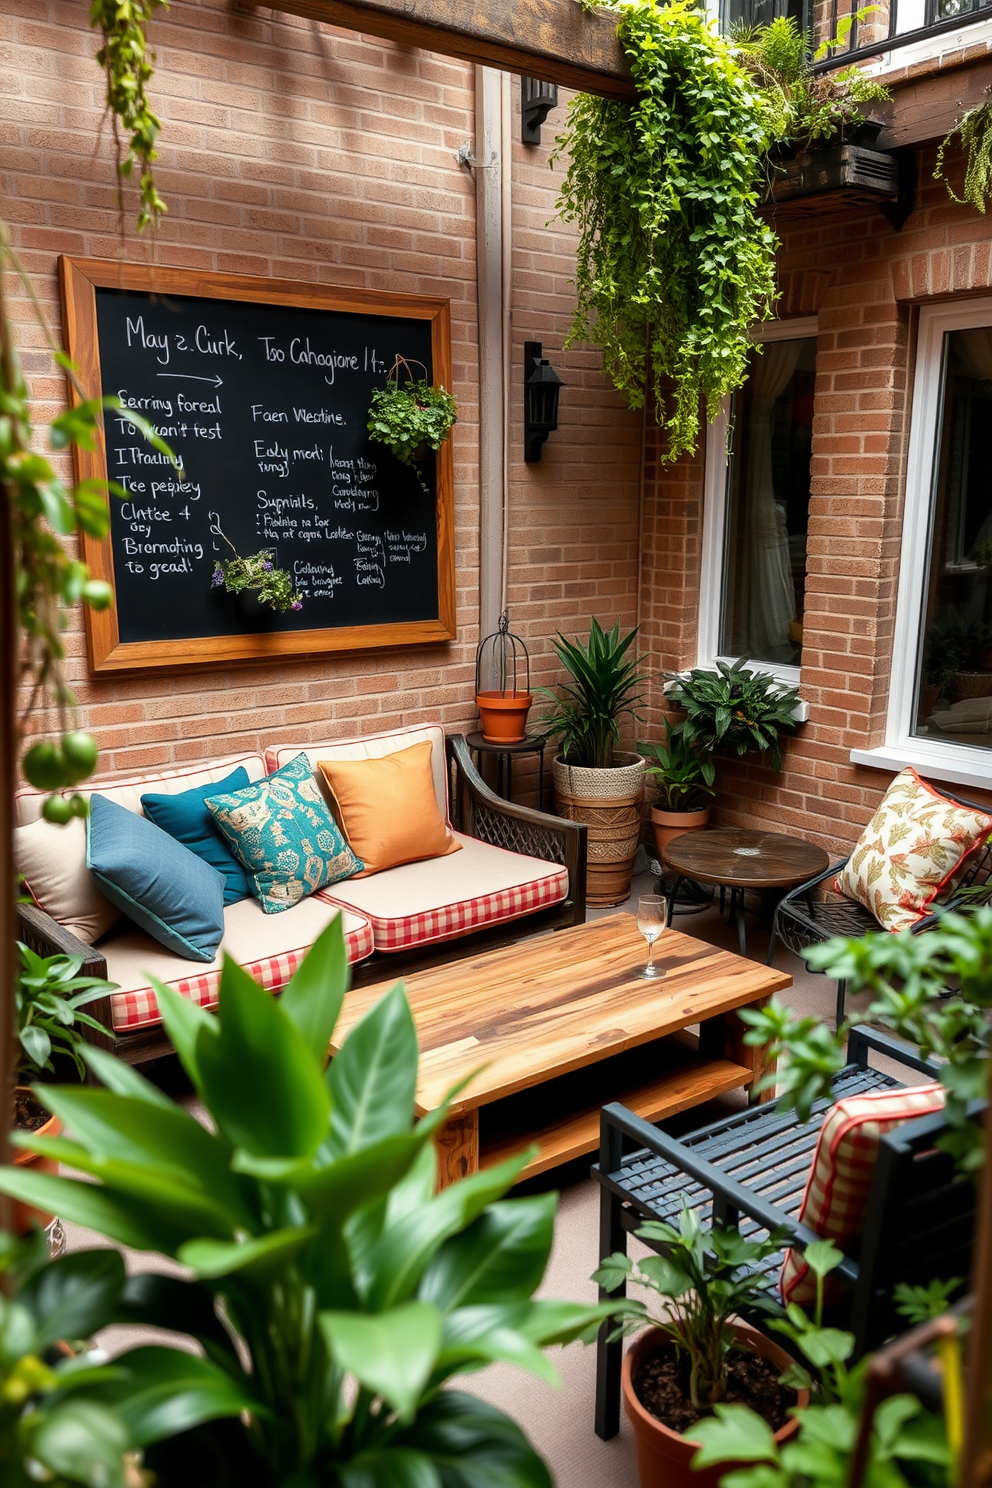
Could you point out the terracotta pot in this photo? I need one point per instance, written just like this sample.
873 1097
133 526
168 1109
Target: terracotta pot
24 1215
609 803
664 1456
504 716
671 824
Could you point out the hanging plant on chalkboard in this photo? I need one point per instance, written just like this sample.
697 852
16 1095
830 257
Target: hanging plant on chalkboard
258 575
411 420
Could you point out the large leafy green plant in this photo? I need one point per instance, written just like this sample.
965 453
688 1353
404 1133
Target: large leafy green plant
908 977
333 1292
706 1278
732 709
673 265
604 686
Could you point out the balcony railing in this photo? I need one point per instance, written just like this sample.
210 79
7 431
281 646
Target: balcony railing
891 24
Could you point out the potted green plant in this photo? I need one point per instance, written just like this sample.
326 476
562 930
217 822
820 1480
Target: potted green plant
732 709
50 996
595 781
684 776
411 420
903 1443
680 1369
334 1293
257 579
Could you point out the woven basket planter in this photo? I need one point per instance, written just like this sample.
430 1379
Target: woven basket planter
608 802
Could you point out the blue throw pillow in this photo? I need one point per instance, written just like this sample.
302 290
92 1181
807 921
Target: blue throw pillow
282 831
186 818
159 884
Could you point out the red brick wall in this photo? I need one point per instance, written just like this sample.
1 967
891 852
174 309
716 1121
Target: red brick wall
864 281
307 152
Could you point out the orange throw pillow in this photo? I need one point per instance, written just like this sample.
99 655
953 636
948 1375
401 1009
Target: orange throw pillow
387 808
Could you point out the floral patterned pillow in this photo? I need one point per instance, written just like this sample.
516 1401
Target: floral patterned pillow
283 833
915 848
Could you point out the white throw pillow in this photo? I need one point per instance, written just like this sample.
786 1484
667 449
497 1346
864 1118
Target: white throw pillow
53 862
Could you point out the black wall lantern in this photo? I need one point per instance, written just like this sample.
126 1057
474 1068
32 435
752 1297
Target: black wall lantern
537 99
541 387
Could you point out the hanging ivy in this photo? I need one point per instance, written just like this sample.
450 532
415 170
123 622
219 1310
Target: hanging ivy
127 62
975 129
673 265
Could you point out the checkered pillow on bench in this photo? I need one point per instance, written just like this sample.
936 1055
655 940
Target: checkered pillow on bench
836 1199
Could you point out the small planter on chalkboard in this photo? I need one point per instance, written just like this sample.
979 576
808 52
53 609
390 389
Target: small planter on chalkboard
414 420
259 586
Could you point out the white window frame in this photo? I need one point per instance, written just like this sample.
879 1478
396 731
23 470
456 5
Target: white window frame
960 764
713 548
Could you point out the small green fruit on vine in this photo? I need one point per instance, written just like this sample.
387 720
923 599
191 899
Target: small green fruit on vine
79 805
57 810
80 753
45 767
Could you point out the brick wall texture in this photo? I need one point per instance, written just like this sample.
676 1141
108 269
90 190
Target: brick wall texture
305 152
311 153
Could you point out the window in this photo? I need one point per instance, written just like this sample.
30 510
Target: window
940 705
757 508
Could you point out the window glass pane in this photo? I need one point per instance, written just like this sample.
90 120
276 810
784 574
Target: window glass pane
954 672
768 505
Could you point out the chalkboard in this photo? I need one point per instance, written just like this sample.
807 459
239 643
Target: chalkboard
262 388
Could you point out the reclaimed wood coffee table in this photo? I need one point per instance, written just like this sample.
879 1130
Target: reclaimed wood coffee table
557 1026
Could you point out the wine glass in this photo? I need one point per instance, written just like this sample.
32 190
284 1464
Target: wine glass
652 920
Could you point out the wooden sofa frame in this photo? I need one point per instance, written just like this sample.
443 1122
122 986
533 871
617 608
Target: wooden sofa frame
475 810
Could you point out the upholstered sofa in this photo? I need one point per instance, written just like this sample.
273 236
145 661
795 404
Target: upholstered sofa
515 865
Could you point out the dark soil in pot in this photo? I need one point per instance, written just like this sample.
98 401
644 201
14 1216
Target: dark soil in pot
29 1115
661 1384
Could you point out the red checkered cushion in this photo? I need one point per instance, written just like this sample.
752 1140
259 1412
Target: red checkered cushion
836 1199
443 898
138 1008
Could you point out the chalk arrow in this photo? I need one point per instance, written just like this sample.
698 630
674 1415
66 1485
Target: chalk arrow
192 377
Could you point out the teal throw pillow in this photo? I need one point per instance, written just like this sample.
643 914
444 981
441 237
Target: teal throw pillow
157 882
185 817
282 831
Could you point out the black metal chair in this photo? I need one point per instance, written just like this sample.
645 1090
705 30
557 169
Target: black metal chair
750 1169
801 920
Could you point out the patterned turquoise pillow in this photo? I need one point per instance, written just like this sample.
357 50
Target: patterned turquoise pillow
283 833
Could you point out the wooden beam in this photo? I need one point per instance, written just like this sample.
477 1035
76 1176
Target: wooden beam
929 99
556 40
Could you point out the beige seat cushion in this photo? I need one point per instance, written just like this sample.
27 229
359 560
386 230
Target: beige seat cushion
269 947
52 860
442 898
128 793
373 746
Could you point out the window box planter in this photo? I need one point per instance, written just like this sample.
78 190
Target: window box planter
851 175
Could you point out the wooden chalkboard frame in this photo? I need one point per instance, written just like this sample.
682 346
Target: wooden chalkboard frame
79 279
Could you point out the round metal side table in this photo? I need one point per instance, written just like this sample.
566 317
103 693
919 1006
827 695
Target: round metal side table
533 744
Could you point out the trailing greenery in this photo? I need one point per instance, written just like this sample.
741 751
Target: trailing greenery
907 1444
706 1277
975 131
334 1293
733 709
812 108
605 687
673 265
44 510
908 977
409 418
683 774
127 63
257 573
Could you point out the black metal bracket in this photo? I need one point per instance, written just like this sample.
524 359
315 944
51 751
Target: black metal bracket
537 99
895 213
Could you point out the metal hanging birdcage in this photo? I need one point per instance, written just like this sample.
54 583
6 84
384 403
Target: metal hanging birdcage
502 685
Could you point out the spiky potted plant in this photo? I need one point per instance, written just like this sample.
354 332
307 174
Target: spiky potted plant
595 781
